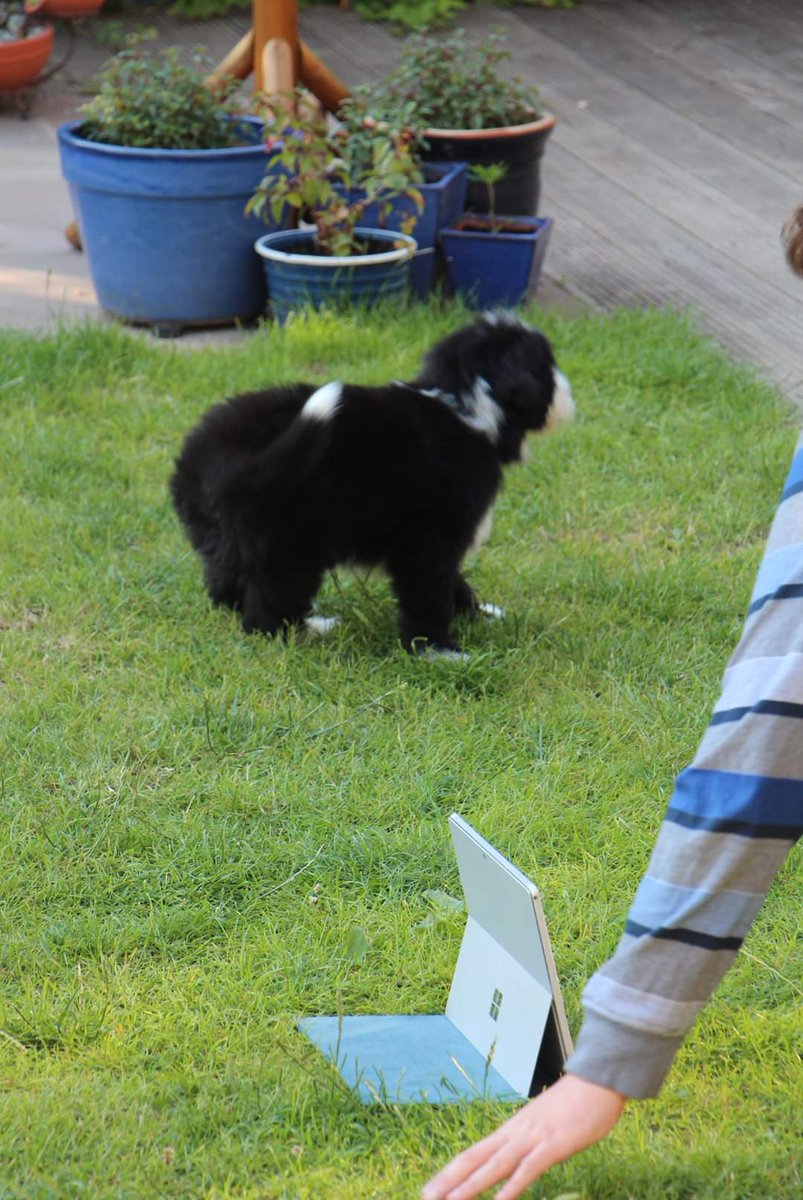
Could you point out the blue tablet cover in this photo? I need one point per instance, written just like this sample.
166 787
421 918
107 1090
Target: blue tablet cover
406 1059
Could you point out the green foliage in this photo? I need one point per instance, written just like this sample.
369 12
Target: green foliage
412 14
193 822
426 14
409 14
448 84
490 174
331 174
153 99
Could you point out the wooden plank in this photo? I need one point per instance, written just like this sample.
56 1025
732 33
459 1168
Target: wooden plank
657 29
574 79
641 258
675 90
720 222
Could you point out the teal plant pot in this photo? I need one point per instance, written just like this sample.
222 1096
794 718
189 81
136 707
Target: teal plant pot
298 278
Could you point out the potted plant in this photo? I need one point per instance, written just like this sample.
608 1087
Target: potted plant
491 259
442 187
160 170
467 110
26 44
70 9
332 181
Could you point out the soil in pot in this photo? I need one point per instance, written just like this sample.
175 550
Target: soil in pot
474 223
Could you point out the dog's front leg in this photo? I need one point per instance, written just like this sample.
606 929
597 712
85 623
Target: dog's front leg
280 599
426 590
259 614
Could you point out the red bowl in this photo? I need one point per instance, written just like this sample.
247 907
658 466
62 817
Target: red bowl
22 60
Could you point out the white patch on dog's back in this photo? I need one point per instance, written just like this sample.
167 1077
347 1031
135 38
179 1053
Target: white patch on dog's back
503 318
562 407
322 404
483 413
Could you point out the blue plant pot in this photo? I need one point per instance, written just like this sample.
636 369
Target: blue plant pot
489 269
165 231
298 278
444 195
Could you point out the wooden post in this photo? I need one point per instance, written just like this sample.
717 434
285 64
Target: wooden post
275 19
237 64
278 58
320 81
278 75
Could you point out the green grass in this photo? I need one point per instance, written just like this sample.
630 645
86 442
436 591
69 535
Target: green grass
196 822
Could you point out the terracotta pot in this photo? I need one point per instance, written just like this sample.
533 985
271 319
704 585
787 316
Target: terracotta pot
22 60
519 147
70 8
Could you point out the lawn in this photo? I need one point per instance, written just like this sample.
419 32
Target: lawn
205 835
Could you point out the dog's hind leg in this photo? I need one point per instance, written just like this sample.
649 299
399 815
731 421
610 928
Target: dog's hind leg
465 600
278 600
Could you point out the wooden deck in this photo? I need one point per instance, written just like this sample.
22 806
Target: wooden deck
676 157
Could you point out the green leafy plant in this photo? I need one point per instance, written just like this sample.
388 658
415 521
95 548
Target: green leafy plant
447 84
409 14
490 174
152 99
331 174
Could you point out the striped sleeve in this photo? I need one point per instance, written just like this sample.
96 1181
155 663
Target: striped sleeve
732 818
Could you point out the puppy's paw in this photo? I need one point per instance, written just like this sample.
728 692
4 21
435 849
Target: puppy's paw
492 610
431 651
321 625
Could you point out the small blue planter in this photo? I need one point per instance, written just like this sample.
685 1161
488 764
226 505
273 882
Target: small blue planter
298 278
496 268
444 194
165 231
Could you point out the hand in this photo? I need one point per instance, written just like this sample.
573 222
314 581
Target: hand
567 1117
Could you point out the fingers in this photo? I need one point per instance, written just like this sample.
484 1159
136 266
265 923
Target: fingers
539 1159
463 1167
568 1117
511 1162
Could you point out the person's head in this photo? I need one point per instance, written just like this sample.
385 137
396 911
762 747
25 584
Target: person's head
792 240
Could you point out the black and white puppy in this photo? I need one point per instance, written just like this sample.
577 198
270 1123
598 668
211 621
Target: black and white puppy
277 487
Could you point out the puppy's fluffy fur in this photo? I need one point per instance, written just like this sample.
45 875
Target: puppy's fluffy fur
792 240
275 488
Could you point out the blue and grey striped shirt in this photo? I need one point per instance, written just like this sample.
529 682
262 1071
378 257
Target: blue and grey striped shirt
733 816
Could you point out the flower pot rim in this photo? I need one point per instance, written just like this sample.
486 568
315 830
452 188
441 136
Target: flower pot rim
538 224
32 39
546 122
45 35
265 249
67 134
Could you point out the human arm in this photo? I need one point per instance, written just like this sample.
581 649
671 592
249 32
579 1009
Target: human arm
733 816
